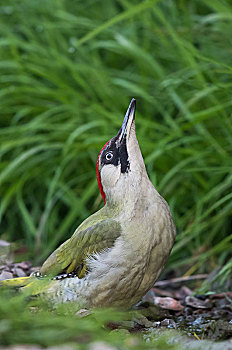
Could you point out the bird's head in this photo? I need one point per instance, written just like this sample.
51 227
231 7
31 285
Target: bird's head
120 164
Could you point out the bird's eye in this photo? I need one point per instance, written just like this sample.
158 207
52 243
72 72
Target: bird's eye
109 156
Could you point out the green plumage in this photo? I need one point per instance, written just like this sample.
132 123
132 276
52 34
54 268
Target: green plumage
94 235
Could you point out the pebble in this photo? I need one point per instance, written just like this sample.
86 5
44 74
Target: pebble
168 322
5 275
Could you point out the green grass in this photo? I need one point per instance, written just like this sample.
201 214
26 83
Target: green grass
22 323
67 72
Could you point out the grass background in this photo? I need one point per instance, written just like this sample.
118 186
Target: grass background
68 70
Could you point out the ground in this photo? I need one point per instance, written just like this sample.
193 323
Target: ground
172 304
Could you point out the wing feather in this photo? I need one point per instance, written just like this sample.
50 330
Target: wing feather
71 255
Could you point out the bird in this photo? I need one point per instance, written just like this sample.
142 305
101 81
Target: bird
116 255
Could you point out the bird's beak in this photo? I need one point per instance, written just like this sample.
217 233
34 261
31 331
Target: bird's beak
127 122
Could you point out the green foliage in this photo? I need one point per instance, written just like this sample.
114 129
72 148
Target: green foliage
21 323
67 72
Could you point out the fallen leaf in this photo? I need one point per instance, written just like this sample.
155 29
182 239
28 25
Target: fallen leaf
168 303
197 303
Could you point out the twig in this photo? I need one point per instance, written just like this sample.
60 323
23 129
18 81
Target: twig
181 279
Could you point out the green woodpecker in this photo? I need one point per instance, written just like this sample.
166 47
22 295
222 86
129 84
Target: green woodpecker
115 256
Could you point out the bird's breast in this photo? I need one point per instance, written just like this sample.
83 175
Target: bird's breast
124 273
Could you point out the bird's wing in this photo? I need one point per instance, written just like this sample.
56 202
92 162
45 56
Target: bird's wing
87 239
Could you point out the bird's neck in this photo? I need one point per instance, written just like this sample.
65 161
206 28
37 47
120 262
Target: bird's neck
131 186
127 193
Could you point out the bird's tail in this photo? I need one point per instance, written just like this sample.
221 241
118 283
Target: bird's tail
31 285
17 282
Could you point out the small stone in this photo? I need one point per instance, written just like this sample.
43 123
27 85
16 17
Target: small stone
3 267
25 265
19 272
167 322
189 318
4 243
83 313
5 275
